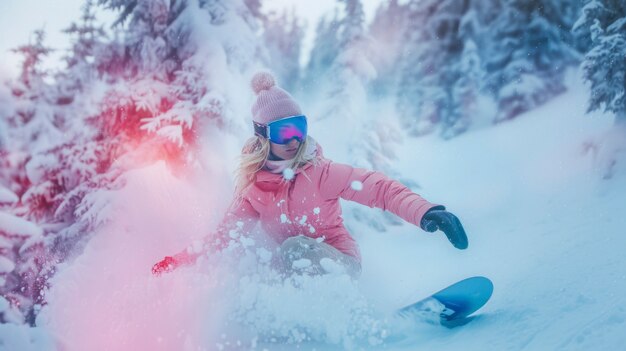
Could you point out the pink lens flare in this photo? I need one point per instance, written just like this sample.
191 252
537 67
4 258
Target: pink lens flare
108 299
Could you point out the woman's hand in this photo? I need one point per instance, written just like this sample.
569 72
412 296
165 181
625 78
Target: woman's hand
438 218
170 263
166 265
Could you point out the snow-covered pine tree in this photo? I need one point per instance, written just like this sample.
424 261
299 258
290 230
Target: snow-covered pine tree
7 242
154 84
34 118
82 160
12 176
530 49
604 68
164 73
324 52
6 109
34 126
471 88
49 174
350 72
158 83
87 37
254 16
18 270
477 20
465 92
65 170
452 72
428 64
604 65
37 124
165 89
282 37
387 29
142 65
522 46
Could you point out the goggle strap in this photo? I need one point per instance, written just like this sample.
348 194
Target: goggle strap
260 129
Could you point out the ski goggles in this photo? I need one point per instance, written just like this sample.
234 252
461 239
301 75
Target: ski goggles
283 130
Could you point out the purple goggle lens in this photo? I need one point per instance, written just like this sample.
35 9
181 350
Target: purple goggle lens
283 130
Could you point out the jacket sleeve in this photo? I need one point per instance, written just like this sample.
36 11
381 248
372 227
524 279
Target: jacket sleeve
240 219
373 189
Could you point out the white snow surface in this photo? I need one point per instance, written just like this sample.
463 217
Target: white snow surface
23 338
7 196
543 224
6 265
301 263
13 225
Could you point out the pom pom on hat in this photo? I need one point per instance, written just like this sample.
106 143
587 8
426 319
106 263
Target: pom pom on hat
262 81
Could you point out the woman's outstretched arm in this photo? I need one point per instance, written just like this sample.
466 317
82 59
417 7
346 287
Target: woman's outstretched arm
375 189
240 216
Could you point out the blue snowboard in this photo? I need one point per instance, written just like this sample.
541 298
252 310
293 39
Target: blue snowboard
452 306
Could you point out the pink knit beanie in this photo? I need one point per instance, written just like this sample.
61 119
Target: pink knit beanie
272 102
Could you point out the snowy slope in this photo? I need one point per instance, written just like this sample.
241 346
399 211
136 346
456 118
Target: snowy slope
542 224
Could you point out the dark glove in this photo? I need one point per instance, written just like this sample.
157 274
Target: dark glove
437 218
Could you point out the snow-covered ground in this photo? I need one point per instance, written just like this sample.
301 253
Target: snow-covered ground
542 222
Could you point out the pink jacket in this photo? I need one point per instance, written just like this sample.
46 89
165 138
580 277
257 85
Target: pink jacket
308 204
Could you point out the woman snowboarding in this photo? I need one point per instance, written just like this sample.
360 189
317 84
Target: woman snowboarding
285 182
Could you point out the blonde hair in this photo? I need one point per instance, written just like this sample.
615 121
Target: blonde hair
255 152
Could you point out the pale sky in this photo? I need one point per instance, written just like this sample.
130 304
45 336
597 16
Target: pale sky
19 18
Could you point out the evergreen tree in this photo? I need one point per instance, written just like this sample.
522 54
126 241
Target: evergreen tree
519 49
283 39
36 124
253 15
531 47
351 70
33 123
120 103
427 64
7 243
87 44
604 66
19 239
324 52
477 21
465 92
387 30
164 90
11 175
